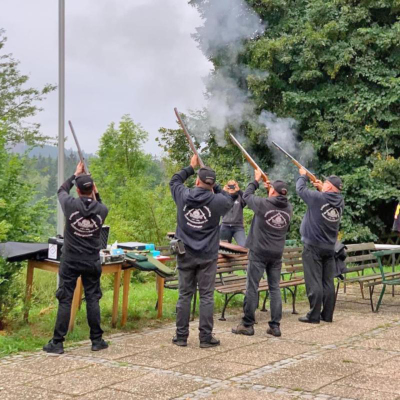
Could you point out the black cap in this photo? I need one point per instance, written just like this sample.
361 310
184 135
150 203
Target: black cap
336 181
207 175
281 187
84 183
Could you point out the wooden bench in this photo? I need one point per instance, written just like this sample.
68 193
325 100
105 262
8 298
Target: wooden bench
232 284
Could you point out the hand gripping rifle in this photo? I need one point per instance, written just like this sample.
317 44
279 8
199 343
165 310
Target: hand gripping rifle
189 139
311 176
247 156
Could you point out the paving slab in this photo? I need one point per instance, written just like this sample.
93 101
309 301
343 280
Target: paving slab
372 381
359 356
256 354
49 365
30 393
11 377
357 393
110 394
113 352
249 394
87 380
214 368
159 386
296 379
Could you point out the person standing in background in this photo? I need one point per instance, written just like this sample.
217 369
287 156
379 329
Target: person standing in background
232 224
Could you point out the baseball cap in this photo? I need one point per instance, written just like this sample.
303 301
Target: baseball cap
84 182
207 175
336 181
281 187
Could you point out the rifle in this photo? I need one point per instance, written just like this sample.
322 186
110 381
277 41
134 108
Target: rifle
189 139
85 168
312 177
79 148
247 156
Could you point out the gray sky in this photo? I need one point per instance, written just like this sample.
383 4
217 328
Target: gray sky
132 57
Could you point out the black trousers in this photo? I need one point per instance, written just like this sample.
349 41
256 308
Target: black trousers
255 271
70 271
193 272
319 267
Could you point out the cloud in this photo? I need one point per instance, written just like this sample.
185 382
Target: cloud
135 57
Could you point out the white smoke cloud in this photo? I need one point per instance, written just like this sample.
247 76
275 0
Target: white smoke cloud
280 130
226 24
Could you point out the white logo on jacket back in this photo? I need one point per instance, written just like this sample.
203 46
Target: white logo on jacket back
197 217
85 227
330 213
277 219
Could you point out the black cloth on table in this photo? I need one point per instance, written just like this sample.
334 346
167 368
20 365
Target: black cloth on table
17 251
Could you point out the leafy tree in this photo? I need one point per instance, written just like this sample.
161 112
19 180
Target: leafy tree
333 66
17 103
21 219
132 185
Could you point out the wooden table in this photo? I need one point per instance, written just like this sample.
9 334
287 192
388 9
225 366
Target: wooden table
159 288
53 266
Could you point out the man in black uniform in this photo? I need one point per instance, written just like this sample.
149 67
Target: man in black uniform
80 257
319 230
266 241
199 211
232 223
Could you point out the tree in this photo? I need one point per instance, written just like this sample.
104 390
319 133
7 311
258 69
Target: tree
21 219
333 66
17 102
132 185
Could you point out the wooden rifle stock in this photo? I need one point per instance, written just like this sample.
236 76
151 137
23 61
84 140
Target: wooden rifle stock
310 175
189 139
247 156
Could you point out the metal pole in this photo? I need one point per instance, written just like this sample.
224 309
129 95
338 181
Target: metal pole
61 106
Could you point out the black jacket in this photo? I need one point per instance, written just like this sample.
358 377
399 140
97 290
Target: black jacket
198 215
234 217
320 225
84 218
270 223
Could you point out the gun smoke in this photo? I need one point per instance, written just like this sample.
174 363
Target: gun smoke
228 24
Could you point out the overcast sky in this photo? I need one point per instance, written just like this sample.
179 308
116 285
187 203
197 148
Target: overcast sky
132 57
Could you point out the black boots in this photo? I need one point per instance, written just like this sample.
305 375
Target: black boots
54 348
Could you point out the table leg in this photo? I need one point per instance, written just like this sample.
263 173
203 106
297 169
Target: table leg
80 297
117 281
160 294
75 304
125 297
28 293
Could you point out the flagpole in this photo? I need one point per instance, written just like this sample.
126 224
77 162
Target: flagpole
61 106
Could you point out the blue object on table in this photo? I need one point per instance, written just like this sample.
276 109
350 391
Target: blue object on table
116 252
150 246
155 253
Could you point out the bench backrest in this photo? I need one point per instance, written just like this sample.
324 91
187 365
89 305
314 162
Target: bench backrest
360 257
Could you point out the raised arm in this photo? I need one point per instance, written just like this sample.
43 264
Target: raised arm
304 192
176 183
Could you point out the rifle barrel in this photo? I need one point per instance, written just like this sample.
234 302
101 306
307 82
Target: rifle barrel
264 176
189 139
79 148
312 177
